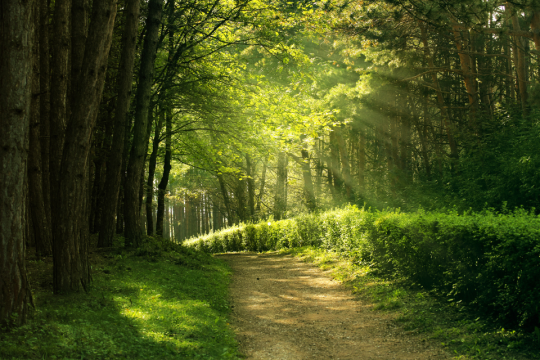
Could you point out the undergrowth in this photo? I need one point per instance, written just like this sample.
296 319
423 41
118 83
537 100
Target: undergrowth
463 333
161 302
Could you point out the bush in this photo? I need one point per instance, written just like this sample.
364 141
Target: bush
487 260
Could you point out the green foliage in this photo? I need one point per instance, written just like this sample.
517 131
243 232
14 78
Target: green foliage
501 170
141 306
488 261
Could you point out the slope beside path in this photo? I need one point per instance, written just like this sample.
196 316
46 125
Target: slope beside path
284 308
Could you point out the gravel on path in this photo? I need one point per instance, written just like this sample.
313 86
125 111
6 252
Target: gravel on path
283 308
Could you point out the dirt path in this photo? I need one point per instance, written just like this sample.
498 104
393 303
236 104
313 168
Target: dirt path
287 309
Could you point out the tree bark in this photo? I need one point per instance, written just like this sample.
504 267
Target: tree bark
133 231
45 107
440 99
468 73
42 232
361 162
150 181
226 201
345 165
61 32
162 186
15 99
334 166
309 193
71 270
240 196
521 61
261 186
279 200
251 187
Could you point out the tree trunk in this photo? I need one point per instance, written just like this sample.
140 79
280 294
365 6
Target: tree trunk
58 94
440 99
405 139
187 219
251 187
422 135
261 186
361 162
215 215
468 73
150 180
334 166
206 215
521 61
42 232
226 201
15 98
345 165
279 199
309 193
133 231
71 270
240 195
45 107
162 186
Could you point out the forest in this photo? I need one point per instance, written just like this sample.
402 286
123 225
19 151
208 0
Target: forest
230 125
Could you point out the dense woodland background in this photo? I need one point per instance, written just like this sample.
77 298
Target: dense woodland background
173 119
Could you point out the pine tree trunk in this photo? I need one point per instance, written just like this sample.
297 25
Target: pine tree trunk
440 99
225 196
279 199
251 187
422 135
345 165
309 194
45 108
240 195
405 139
150 181
215 215
520 54
71 270
42 232
133 231
361 162
162 186
334 165
61 33
15 99
261 187
468 72
187 217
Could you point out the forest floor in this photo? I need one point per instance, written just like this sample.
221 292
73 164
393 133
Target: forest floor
159 302
284 308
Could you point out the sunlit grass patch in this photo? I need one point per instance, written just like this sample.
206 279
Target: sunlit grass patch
419 311
136 309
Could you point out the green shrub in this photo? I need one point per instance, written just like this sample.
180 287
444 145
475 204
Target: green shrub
487 260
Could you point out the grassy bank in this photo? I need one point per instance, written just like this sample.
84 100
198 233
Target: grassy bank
163 302
489 261
421 313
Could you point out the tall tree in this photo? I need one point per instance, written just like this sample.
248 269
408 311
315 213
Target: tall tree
15 98
162 186
133 230
70 246
114 162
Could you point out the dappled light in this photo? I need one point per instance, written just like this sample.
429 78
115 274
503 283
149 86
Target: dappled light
398 137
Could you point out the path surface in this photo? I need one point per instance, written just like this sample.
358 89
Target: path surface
287 309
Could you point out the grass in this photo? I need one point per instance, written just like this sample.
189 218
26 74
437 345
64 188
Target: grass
154 304
464 334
